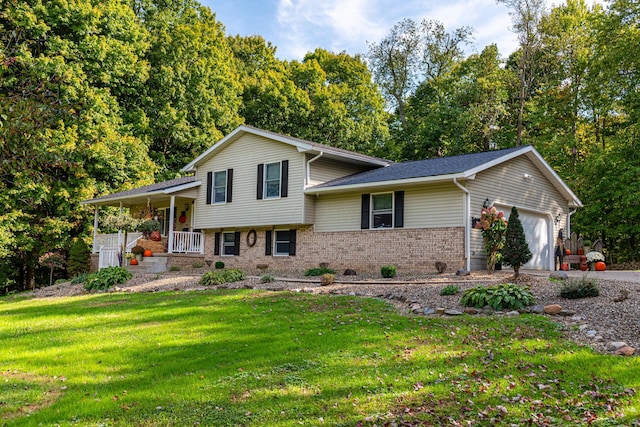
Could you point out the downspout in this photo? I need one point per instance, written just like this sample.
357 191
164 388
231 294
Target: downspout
467 228
569 223
309 166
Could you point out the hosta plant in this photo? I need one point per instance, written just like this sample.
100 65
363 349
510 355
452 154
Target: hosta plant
500 297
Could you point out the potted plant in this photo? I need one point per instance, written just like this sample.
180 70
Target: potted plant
129 256
150 229
137 251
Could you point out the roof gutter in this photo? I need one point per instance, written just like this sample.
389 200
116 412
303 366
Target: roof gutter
467 228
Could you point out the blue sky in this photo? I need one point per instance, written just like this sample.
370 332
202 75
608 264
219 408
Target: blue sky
296 27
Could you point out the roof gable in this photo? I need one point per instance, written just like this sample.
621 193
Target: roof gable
165 187
301 145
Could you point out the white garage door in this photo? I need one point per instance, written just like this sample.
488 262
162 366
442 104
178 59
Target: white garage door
537 233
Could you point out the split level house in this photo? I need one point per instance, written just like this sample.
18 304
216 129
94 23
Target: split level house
257 199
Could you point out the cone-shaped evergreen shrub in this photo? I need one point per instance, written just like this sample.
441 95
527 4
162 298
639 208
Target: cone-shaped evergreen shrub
79 259
516 251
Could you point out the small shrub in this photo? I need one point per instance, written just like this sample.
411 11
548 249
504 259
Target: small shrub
81 278
267 278
106 278
174 268
388 271
79 258
449 290
219 277
580 288
501 297
197 264
219 265
319 271
58 281
327 279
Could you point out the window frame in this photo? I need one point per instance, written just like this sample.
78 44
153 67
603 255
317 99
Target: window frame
264 181
214 187
386 211
224 244
276 241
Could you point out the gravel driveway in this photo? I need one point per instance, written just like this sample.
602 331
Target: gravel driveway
596 322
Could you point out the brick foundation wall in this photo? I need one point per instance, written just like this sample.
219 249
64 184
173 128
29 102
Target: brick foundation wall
365 251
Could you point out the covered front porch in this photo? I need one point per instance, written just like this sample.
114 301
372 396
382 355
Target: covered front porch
170 203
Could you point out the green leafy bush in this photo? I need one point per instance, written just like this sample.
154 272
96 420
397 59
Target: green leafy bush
267 278
500 297
106 278
219 265
174 268
80 278
327 279
219 277
319 271
197 264
580 288
388 271
449 290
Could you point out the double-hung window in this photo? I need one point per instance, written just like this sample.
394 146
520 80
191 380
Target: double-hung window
382 210
282 242
228 243
220 187
272 180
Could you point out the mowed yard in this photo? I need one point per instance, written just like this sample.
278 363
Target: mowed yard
258 358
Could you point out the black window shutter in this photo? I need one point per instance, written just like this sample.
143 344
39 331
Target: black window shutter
229 184
284 179
209 186
364 213
267 246
236 244
398 217
216 242
260 181
292 242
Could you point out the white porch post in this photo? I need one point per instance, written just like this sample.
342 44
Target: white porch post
172 208
120 231
95 230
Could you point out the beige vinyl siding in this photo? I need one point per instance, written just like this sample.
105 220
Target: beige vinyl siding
309 209
243 156
324 170
424 207
506 186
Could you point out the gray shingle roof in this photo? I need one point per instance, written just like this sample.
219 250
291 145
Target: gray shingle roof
158 186
421 168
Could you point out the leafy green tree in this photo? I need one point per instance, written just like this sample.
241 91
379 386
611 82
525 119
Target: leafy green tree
516 250
62 138
192 96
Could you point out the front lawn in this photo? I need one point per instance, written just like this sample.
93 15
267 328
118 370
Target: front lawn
251 358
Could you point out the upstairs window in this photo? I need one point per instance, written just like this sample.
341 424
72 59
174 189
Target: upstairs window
272 180
220 187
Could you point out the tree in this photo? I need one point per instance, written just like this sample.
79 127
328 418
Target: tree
516 251
63 138
79 259
192 96
526 15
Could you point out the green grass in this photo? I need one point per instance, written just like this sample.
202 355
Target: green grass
240 358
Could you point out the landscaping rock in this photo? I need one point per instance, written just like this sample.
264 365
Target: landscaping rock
566 313
428 311
416 308
471 310
559 275
513 313
625 351
463 272
536 309
552 309
452 312
615 345
349 272
591 333
440 310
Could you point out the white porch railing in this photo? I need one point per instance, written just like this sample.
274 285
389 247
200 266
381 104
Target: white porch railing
188 242
108 257
114 240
